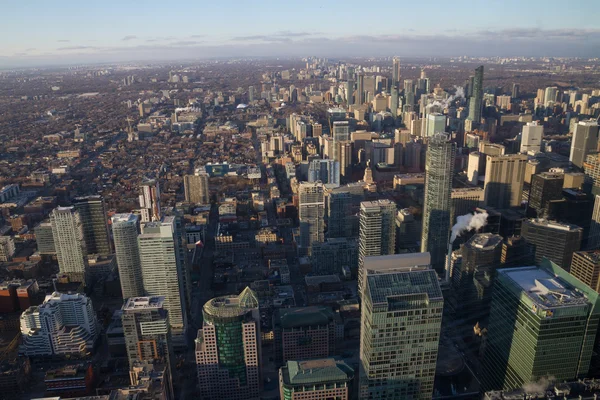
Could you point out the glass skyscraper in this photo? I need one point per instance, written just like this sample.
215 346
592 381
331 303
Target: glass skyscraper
475 103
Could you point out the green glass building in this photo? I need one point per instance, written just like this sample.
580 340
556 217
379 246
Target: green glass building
322 378
401 322
543 323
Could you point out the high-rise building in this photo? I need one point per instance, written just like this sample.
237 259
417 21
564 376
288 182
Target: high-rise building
228 348
545 187
250 94
146 330
196 188
341 133
531 138
343 206
516 251
585 266
350 92
360 89
69 242
65 324
150 200
584 141
439 167
504 177
334 255
476 100
436 123
377 232
311 214
465 201
394 101
515 91
396 72
92 212
325 171
44 239
301 333
405 307
325 378
594 235
408 231
550 95
553 240
543 322
7 248
125 235
162 272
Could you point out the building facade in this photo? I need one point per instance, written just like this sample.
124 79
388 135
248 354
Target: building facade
92 212
125 235
311 214
504 177
320 379
69 242
553 240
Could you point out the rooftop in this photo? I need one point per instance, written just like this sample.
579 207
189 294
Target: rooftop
139 303
382 286
544 289
125 217
231 306
295 317
554 224
317 371
397 262
592 255
484 241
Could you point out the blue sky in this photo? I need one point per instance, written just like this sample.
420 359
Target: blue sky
38 31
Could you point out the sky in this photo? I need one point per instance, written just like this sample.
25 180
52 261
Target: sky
39 32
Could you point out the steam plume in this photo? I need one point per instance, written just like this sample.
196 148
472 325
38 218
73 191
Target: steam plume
540 386
467 222
460 93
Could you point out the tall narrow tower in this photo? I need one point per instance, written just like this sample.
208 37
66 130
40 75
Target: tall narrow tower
125 235
94 221
476 101
311 214
439 166
69 242
150 200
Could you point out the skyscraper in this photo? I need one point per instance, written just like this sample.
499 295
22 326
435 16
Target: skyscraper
584 141
439 167
311 214
146 330
543 322
228 348
343 206
360 89
45 239
585 266
436 123
150 200
196 188
350 92
553 240
545 187
476 100
515 91
531 138
550 96
162 271
405 307
125 234
377 232
394 101
326 171
504 177
396 72
92 212
69 242
594 235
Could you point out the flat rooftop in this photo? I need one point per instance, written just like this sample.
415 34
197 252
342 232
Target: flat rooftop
142 303
484 241
554 224
316 371
543 288
397 262
382 286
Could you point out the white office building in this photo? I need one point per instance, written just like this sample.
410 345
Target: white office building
125 235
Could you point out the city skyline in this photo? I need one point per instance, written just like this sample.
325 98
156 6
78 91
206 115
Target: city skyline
78 33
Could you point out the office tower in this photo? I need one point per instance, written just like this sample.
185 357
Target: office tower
408 305
181 252
377 232
92 212
436 123
515 91
69 242
326 378
325 171
543 323
531 138
350 92
550 96
162 272
408 231
545 187
311 214
585 266
476 100
554 240
301 333
343 205
504 177
44 239
146 329
439 167
150 200
594 234
584 141
516 251
228 348
196 188
65 324
360 89
409 86
334 256
480 258
125 235
394 101
250 94
465 201
396 72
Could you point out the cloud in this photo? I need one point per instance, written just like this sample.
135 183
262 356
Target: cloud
197 36
280 37
30 49
63 41
68 48
129 37
186 43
